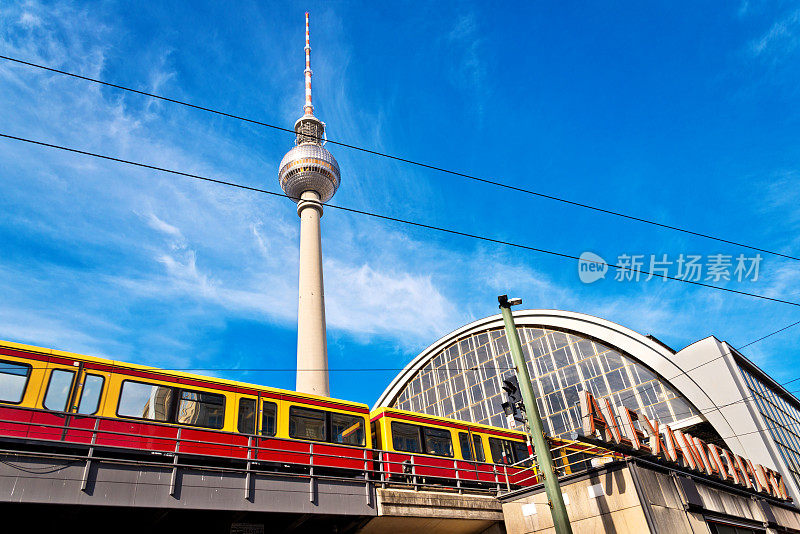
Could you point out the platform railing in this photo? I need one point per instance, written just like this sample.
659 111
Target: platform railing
561 463
375 467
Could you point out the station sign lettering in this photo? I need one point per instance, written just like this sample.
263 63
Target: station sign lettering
628 429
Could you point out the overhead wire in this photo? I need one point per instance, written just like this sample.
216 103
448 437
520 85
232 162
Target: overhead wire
390 218
402 159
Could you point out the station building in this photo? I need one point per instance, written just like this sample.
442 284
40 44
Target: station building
708 389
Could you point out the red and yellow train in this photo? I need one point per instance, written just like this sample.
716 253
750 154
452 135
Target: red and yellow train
51 396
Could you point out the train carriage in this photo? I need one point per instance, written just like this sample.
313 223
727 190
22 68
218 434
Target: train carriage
429 447
51 396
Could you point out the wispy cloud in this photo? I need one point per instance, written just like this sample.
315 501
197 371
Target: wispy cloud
465 61
782 39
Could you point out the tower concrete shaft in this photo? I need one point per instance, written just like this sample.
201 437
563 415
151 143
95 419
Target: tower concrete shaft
312 344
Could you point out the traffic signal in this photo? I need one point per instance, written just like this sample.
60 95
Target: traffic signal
513 407
511 387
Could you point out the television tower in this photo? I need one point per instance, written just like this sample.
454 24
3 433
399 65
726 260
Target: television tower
309 175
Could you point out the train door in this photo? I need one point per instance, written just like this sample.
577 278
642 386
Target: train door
273 449
71 395
468 468
247 416
84 403
484 470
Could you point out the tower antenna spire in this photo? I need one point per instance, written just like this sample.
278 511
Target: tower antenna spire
308 108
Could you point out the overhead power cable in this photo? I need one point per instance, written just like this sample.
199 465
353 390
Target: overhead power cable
406 160
393 219
457 368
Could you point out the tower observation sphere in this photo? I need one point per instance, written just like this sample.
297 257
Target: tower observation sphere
309 167
309 175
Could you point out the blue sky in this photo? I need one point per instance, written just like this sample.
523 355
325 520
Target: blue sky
683 114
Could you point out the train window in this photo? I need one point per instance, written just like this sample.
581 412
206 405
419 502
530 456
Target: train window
90 394
269 419
575 461
509 452
501 451
347 429
305 423
521 453
58 390
466 450
247 416
438 441
406 437
13 379
476 441
145 401
202 409
477 447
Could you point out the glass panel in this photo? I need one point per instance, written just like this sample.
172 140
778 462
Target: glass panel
617 380
347 429
478 414
569 375
598 387
477 443
145 401
202 409
571 395
269 419
556 402
557 424
90 395
438 441
611 361
247 416
562 358
13 378
548 384
588 368
463 442
406 437
58 390
307 424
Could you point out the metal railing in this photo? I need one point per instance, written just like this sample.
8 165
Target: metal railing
560 464
257 456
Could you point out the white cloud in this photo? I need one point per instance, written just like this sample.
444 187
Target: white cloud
781 39
29 20
365 299
466 66
157 224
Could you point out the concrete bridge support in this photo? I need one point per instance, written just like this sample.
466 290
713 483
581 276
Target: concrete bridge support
408 511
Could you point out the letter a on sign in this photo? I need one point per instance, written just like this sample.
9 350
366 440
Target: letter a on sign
594 421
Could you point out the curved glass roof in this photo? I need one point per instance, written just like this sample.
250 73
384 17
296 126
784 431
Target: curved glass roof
463 380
